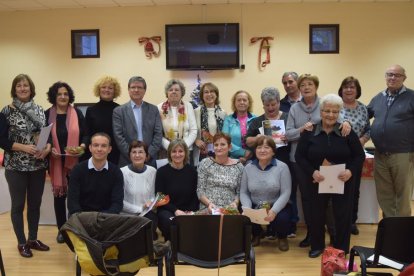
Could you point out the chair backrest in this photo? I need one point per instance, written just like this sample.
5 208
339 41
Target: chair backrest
198 236
395 239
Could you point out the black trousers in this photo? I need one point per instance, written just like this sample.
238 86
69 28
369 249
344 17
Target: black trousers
164 222
59 203
342 205
22 185
357 181
305 192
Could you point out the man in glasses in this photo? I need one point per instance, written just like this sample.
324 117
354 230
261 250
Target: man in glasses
392 132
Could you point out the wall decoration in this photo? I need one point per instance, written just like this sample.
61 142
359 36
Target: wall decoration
85 43
264 45
149 47
324 39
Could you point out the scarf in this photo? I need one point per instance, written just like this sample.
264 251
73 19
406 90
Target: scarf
32 111
205 131
58 172
168 124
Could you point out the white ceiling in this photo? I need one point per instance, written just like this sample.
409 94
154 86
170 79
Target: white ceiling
18 5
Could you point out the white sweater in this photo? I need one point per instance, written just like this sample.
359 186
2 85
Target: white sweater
138 189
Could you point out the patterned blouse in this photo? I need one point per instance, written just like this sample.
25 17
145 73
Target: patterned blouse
219 183
359 119
18 132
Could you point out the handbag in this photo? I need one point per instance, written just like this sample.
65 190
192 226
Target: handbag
333 260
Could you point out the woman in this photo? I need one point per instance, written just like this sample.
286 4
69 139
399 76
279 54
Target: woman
99 116
210 119
268 180
301 118
67 131
25 165
219 177
139 183
357 114
178 179
177 116
325 145
237 124
271 102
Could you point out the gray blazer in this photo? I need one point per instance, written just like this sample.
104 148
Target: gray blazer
125 129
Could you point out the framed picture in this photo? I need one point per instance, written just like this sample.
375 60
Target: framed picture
85 43
83 106
324 39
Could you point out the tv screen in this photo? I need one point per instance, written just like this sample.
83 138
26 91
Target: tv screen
202 46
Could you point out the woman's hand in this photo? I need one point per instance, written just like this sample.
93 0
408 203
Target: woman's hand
270 216
43 153
345 175
55 153
308 126
345 128
178 212
234 204
317 177
210 207
30 149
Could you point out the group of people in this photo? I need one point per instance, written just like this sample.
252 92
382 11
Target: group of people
215 160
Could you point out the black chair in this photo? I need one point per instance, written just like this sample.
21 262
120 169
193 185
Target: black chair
195 241
395 241
98 233
3 272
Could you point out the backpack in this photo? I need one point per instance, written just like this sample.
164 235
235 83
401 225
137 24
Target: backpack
333 260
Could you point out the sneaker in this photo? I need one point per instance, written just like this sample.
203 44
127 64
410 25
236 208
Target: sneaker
283 244
291 235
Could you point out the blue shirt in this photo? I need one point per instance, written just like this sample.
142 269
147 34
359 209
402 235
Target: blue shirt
268 167
138 118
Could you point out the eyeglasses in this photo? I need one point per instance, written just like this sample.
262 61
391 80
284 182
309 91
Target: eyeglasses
396 75
136 88
334 112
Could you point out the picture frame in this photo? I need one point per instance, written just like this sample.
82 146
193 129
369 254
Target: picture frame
83 107
324 38
85 43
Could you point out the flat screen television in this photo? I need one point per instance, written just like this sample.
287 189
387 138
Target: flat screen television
202 46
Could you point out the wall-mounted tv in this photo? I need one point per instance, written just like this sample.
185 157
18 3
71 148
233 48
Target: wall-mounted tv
202 46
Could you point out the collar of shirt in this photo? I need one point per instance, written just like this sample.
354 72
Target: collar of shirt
319 129
292 101
268 167
133 105
386 92
92 166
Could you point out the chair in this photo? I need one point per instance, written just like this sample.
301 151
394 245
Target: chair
109 244
395 241
195 241
3 272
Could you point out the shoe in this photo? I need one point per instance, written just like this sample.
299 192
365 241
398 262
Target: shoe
315 253
37 245
60 238
283 244
354 229
305 242
24 250
291 235
256 241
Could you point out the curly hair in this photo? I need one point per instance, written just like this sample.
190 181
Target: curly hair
53 91
107 80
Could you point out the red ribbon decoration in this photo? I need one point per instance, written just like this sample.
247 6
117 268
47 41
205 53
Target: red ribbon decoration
264 44
148 47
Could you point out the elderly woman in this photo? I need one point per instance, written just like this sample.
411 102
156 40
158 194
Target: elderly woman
99 116
178 179
268 180
25 164
177 116
325 145
219 177
271 102
301 118
210 119
357 114
237 124
139 183
67 131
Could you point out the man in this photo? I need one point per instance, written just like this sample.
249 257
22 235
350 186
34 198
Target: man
392 132
292 91
137 120
96 184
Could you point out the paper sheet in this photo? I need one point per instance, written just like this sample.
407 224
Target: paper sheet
43 137
256 215
332 184
146 210
385 261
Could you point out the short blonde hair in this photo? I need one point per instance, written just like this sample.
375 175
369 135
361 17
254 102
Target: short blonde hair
107 80
310 77
233 101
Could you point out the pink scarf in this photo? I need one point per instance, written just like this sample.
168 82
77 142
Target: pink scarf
58 172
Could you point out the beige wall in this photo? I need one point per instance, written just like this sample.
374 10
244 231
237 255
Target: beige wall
372 37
